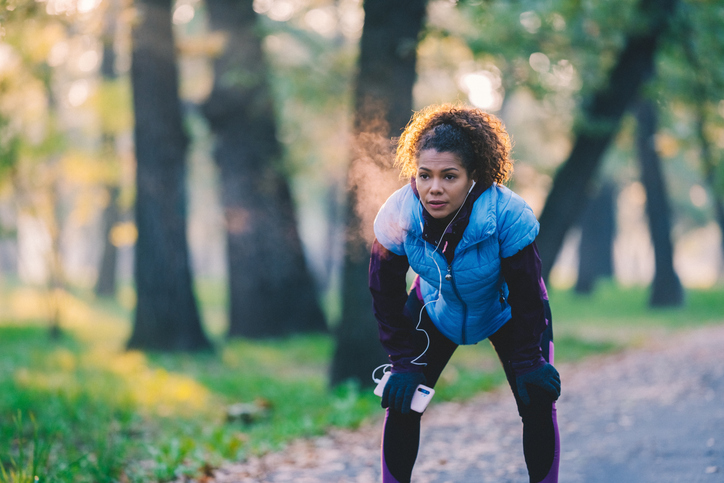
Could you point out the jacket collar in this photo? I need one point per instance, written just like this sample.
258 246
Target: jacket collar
432 228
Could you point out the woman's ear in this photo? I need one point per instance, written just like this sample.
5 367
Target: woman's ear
474 177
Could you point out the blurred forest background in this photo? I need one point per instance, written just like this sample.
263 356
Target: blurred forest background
207 171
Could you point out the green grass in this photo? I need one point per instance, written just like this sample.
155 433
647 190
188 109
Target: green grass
103 413
621 315
82 409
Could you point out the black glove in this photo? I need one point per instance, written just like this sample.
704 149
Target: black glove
400 388
545 377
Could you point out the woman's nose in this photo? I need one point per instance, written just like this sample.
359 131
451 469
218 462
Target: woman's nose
436 185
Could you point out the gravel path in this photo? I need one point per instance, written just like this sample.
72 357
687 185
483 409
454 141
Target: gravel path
654 414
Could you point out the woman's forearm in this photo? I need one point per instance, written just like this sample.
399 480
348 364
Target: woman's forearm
527 298
387 282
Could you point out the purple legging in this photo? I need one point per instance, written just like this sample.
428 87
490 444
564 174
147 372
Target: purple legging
541 443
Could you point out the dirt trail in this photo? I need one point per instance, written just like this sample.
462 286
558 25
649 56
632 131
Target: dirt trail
654 414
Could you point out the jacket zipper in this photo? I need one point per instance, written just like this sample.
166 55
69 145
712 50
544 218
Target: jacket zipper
465 307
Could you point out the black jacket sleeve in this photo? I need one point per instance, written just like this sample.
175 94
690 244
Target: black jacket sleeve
387 282
528 299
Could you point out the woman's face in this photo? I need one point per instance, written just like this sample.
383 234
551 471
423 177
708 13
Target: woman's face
442 182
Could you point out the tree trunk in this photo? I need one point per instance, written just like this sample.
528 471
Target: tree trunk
602 118
598 226
272 292
666 289
707 160
166 316
57 282
106 281
703 93
383 106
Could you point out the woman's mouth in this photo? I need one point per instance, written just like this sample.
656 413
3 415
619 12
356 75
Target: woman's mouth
436 204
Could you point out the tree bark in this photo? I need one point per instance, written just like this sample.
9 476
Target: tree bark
602 117
272 292
106 281
666 289
702 93
710 165
383 106
598 226
166 316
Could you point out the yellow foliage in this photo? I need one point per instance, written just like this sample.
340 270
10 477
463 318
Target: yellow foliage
113 102
87 205
23 98
63 359
667 145
718 135
127 297
88 169
126 363
38 38
124 234
75 312
30 304
46 380
27 303
130 374
156 389
211 45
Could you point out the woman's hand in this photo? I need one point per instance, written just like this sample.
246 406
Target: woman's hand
545 377
400 388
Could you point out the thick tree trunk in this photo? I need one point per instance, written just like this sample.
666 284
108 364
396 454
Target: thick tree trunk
666 289
383 106
272 292
598 226
602 116
166 316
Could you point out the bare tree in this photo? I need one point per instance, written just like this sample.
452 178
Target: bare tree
666 288
271 290
601 119
383 106
166 316
106 281
598 226
707 87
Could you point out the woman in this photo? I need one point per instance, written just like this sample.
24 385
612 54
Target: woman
472 243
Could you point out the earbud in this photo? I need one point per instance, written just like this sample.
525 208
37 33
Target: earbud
471 187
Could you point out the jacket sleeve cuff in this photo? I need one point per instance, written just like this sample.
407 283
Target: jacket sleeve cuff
405 365
521 368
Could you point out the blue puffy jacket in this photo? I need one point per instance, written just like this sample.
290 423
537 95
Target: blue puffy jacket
471 302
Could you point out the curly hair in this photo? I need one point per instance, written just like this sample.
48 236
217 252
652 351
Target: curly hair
479 138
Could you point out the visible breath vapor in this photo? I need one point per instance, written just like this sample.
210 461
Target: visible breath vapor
372 179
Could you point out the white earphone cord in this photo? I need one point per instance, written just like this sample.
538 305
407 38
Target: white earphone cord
439 273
